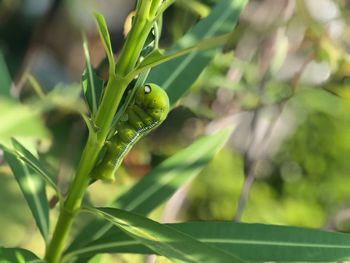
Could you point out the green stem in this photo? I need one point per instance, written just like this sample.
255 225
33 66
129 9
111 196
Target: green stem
73 202
115 89
63 226
126 63
155 7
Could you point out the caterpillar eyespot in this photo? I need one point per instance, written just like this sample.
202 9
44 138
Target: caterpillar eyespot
147 89
148 110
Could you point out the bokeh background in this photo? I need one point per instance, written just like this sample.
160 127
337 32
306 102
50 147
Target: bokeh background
283 81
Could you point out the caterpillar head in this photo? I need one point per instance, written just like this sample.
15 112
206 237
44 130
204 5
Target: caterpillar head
153 100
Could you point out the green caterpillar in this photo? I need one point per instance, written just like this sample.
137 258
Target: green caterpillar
148 110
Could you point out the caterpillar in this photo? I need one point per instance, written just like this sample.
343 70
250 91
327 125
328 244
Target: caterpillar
148 110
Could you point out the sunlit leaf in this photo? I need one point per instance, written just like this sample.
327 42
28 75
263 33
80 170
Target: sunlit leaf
18 255
5 78
269 242
33 189
30 160
163 239
158 186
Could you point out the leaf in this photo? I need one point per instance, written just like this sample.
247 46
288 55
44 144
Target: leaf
151 60
177 76
158 186
19 121
5 78
104 35
18 255
92 84
164 239
93 87
31 161
33 189
153 189
269 242
158 56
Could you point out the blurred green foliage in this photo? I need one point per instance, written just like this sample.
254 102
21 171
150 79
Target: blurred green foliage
304 181
215 192
287 65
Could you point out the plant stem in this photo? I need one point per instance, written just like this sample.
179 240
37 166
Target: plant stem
115 89
155 7
129 56
73 202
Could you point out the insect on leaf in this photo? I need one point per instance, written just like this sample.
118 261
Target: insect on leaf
139 120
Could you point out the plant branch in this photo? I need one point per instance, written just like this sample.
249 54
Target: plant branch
115 89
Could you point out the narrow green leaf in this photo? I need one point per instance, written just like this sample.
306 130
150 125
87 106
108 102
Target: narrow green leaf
158 186
177 76
149 61
269 242
18 255
164 239
92 84
93 87
158 56
33 189
114 241
104 35
5 78
165 179
30 160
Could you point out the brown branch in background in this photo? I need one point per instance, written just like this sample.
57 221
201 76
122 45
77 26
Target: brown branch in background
297 77
175 204
248 182
341 216
249 161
